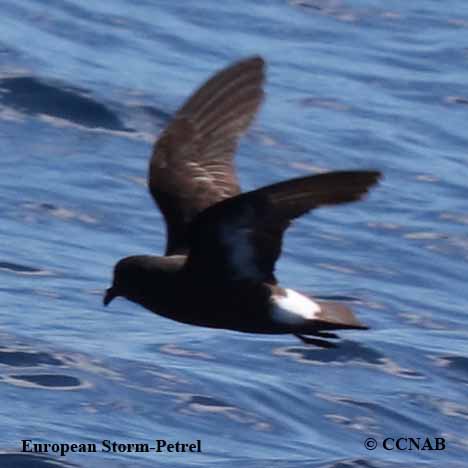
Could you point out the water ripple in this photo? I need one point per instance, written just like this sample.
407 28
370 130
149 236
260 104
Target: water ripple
31 96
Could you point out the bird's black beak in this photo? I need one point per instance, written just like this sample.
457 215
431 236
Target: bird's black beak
110 294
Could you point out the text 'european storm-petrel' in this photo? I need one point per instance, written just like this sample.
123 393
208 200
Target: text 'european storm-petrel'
222 245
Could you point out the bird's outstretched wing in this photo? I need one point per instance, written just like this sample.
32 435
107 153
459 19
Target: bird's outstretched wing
191 167
240 238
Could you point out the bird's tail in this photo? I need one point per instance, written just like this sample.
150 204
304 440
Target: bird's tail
334 316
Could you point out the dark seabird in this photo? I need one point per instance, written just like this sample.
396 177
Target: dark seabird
222 245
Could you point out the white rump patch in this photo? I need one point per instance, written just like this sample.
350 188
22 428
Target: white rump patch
294 308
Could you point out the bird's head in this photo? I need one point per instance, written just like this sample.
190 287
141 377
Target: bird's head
141 277
127 277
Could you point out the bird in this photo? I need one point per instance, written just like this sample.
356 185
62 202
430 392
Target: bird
218 270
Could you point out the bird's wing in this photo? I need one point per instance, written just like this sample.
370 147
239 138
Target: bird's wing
240 238
191 167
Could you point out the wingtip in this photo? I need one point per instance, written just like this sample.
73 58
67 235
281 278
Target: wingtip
364 181
256 59
252 62
372 176
376 175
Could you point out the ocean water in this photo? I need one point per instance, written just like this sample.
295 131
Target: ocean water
84 89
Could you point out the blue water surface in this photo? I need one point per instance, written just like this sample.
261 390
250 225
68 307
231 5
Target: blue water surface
84 89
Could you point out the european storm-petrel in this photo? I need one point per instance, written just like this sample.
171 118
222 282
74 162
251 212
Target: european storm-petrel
222 245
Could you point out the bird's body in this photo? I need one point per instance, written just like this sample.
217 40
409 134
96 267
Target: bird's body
243 305
218 270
